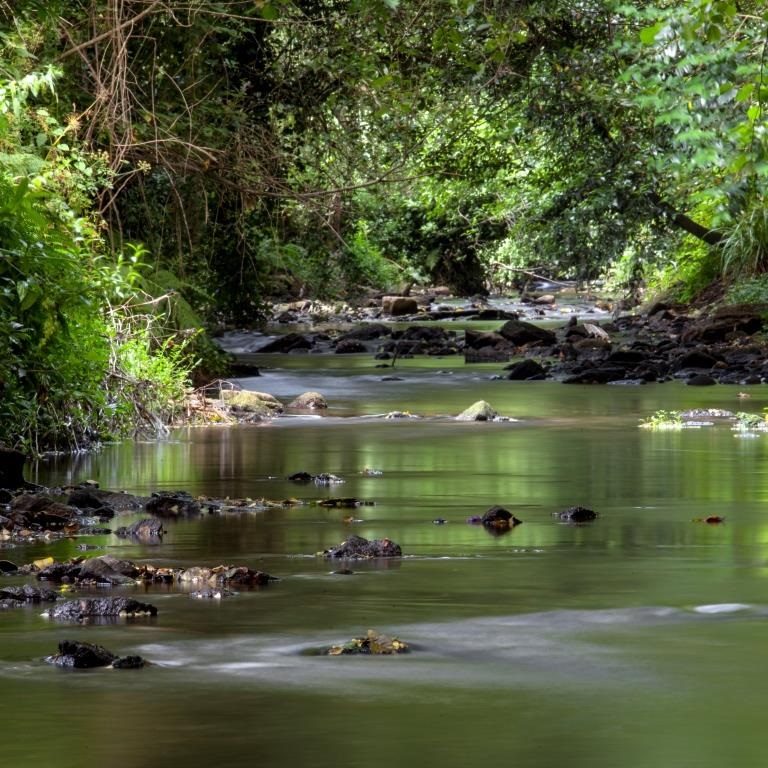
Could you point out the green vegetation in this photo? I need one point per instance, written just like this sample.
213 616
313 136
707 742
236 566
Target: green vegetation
663 420
327 148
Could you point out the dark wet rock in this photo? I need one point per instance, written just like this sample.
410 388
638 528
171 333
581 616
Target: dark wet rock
301 477
107 570
525 370
367 332
577 515
173 504
79 655
290 342
696 358
86 609
60 573
212 593
6 566
344 503
350 347
597 375
627 357
147 531
498 517
479 411
486 346
129 662
373 644
727 323
28 594
521 333
12 469
309 401
39 514
701 380
89 498
489 313
241 575
397 306
358 548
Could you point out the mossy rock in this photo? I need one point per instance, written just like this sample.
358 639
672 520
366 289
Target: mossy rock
252 402
373 644
479 411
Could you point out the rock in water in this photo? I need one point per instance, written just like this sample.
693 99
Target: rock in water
373 644
358 548
309 401
77 655
498 517
479 411
86 609
577 515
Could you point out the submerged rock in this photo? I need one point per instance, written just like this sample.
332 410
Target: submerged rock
577 515
498 517
86 609
147 531
358 548
78 655
173 504
373 644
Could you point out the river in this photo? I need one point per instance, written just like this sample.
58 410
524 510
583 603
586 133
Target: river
637 640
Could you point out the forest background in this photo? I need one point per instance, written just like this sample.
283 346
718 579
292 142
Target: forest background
167 166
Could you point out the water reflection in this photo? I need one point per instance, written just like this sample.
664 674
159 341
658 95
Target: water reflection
553 644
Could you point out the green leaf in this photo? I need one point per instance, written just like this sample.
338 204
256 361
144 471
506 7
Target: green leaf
268 12
745 91
648 35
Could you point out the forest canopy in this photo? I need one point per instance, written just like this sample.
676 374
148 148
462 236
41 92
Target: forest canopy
167 163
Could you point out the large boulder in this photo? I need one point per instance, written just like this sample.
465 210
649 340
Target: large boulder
479 411
399 305
108 570
525 370
79 655
520 333
309 401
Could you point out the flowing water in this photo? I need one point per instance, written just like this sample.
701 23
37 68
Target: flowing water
638 640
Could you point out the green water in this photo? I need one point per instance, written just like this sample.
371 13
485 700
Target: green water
638 640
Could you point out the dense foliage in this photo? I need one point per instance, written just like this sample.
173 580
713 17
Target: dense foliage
294 147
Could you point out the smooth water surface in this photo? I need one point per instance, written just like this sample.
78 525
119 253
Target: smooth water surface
637 640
